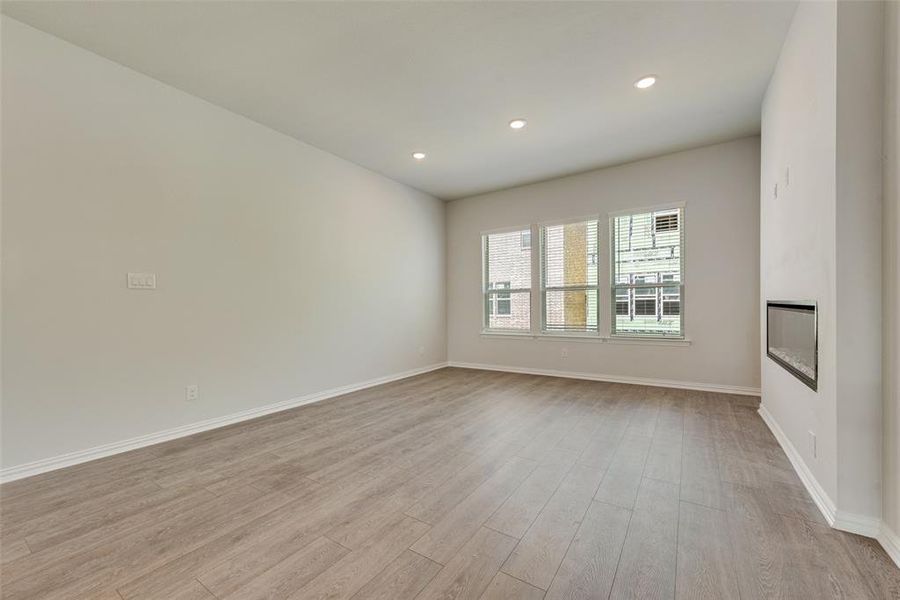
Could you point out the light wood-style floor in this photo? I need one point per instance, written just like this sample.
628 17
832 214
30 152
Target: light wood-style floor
454 484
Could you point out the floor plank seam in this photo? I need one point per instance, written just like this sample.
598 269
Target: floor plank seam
203 585
701 505
419 521
568 546
677 539
406 514
330 539
425 557
612 585
500 570
500 532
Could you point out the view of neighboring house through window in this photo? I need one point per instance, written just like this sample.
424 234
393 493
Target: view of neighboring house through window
500 303
507 280
647 283
569 277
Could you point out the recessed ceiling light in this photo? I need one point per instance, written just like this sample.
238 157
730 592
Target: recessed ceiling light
518 123
418 155
644 82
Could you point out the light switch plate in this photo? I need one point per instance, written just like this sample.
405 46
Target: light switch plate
142 281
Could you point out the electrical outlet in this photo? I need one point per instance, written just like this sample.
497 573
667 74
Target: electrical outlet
812 445
192 392
564 353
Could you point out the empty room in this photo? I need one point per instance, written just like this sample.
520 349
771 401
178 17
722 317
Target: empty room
449 300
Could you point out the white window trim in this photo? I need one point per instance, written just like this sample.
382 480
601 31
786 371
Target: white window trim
590 338
645 209
484 283
611 297
543 332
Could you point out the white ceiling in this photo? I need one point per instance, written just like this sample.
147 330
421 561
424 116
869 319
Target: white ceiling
373 81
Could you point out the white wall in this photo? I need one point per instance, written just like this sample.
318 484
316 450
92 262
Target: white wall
282 270
821 240
720 186
860 85
891 308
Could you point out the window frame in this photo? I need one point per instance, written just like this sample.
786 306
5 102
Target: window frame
663 300
613 286
487 291
522 239
542 289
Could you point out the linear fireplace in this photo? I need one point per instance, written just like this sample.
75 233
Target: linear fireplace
792 338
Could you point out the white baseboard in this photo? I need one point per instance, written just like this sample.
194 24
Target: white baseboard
81 456
858 524
819 496
890 541
667 383
839 519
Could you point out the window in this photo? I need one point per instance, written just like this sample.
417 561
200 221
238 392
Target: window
506 287
569 277
500 303
671 296
622 301
647 283
644 297
526 240
665 222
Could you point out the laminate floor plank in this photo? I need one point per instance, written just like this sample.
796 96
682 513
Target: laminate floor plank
447 495
538 555
403 579
370 515
483 472
705 555
453 530
623 478
647 563
228 561
874 565
521 509
664 458
11 550
99 567
601 450
587 571
49 522
285 578
700 483
504 587
469 573
348 575
71 551
70 524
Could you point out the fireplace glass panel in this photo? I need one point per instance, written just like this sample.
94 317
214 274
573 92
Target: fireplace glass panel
792 343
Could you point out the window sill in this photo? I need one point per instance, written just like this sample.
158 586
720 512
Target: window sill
506 334
648 341
596 339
